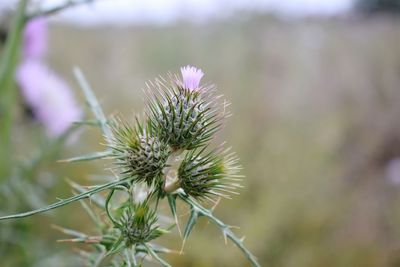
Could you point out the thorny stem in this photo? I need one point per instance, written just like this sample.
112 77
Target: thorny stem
108 199
64 202
224 228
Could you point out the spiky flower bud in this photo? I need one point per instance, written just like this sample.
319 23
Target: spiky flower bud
138 224
183 111
138 152
214 174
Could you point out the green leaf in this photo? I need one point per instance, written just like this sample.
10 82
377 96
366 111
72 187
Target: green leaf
91 156
98 200
67 201
190 224
172 205
116 247
93 103
155 256
88 123
69 231
195 206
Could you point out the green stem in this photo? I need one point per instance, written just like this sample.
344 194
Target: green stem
66 201
224 228
108 199
7 92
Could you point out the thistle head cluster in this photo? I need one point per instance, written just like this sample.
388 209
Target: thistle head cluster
138 224
182 115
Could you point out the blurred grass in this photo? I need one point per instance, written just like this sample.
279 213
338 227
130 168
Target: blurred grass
308 98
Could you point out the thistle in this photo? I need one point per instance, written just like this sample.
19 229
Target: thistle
139 224
183 110
166 152
214 174
138 152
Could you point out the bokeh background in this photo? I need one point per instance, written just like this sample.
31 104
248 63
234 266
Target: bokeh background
315 93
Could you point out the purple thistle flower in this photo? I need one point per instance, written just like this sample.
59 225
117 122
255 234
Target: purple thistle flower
35 38
191 77
392 171
50 98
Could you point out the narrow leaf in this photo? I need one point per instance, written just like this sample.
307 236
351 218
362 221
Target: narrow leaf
64 202
172 206
88 123
93 103
224 228
91 156
155 256
190 224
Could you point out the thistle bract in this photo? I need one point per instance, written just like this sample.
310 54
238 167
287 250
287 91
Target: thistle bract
139 153
214 174
184 112
139 224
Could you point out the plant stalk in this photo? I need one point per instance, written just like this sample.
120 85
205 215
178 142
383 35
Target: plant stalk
7 90
66 201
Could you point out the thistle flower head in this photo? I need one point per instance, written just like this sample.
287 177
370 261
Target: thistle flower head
49 97
191 77
138 224
214 174
35 38
138 152
186 118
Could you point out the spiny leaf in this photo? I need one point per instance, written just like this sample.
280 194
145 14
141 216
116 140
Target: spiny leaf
195 206
93 103
91 156
172 205
155 256
88 123
98 200
189 225
67 201
116 247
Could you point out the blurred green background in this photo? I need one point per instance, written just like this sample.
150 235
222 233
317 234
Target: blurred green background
316 123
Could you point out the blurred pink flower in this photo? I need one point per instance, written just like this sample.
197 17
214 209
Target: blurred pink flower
392 171
49 97
35 38
191 77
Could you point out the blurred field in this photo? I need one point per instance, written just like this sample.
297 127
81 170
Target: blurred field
315 121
